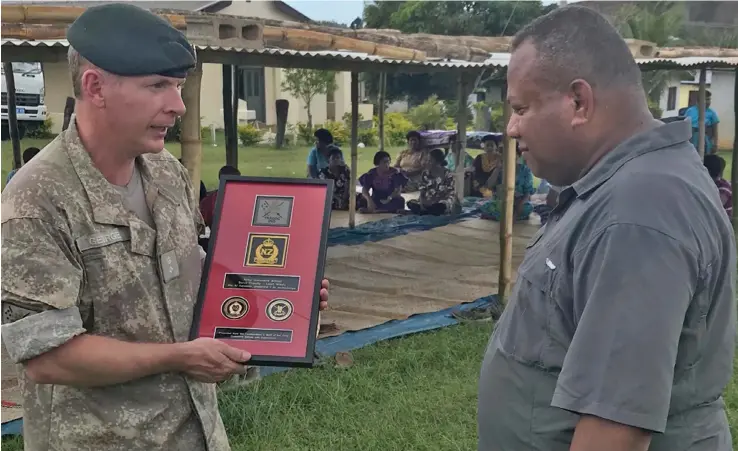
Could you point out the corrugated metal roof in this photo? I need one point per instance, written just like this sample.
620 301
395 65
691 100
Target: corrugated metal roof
327 54
495 60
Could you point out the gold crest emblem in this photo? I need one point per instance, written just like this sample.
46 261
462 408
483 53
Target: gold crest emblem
235 307
279 309
267 250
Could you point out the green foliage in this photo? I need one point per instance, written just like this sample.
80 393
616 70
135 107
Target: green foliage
305 133
43 131
305 84
499 18
341 134
369 136
249 135
396 126
655 109
430 115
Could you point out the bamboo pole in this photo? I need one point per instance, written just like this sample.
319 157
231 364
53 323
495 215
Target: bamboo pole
382 91
734 168
12 114
701 109
506 225
354 146
48 14
190 138
460 143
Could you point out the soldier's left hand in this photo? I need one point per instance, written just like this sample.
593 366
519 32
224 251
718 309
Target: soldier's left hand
324 294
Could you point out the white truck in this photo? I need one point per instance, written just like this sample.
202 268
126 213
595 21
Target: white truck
29 98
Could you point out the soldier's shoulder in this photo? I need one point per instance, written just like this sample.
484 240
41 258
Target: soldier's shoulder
38 189
165 166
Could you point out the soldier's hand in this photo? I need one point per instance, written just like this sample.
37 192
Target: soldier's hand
325 285
210 360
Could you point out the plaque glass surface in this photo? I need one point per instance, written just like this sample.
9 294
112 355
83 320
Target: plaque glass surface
262 276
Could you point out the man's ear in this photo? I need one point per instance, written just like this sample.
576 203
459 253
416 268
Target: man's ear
92 81
582 99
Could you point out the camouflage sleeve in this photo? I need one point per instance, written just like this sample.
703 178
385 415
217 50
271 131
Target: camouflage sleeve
40 290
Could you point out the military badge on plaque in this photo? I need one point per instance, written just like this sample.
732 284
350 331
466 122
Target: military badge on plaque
262 276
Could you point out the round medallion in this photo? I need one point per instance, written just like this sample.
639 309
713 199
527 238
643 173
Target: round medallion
279 309
235 307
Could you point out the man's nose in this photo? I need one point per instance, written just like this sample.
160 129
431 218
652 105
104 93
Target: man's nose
512 127
175 104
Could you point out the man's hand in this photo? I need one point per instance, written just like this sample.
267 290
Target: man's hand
210 360
324 294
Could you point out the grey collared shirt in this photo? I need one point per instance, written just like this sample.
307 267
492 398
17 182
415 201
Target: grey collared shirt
623 308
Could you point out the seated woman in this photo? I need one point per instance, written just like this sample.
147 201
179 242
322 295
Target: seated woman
484 167
522 207
381 187
412 161
341 176
437 188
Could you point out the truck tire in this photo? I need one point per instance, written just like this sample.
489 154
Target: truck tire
6 131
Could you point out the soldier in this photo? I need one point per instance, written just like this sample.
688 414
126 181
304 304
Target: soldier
101 262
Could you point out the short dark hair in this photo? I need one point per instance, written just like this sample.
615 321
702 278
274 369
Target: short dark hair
412 134
490 137
29 153
440 156
334 150
379 156
323 136
228 170
715 165
578 42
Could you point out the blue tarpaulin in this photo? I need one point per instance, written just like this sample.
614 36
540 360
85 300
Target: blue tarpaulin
398 225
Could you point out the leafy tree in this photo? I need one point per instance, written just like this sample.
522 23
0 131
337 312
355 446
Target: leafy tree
499 18
305 84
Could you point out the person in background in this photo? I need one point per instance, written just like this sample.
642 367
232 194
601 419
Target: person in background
341 176
207 204
413 161
437 188
317 159
711 125
715 165
484 177
381 187
28 154
522 207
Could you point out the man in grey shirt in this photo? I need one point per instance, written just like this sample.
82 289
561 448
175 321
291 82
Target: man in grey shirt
620 332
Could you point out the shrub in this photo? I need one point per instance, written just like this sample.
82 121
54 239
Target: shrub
249 135
369 136
341 135
43 131
396 126
430 115
305 133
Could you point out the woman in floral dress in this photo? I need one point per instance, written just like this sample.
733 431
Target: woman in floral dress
437 188
522 207
381 187
341 176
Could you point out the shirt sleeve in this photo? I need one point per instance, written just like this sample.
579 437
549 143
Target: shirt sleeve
630 302
312 159
41 282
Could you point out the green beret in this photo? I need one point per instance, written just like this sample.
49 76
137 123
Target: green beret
128 40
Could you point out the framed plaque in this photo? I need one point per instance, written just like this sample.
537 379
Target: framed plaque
262 276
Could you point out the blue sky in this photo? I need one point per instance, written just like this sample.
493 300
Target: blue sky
343 11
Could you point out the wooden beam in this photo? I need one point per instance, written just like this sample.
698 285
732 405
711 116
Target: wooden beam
701 109
190 137
354 146
231 137
506 223
12 114
380 113
460 144
235 96
734 168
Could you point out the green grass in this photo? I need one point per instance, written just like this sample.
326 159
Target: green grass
257 161
416 393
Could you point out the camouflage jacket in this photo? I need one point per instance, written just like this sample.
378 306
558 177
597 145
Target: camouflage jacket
76 260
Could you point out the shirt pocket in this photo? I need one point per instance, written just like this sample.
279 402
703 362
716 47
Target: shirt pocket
524 330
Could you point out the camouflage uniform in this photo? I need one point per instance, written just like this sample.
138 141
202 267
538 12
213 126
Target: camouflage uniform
76 261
